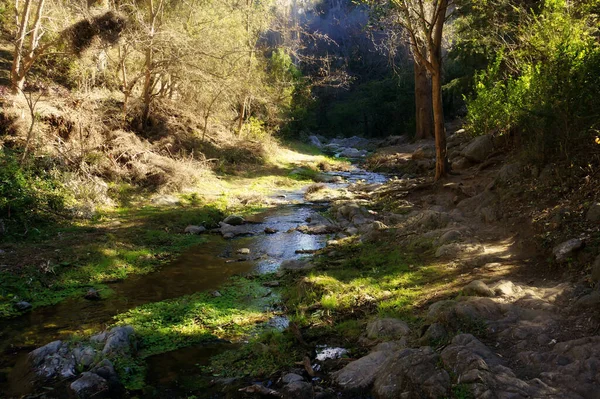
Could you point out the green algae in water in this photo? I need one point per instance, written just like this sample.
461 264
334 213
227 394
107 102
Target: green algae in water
201 317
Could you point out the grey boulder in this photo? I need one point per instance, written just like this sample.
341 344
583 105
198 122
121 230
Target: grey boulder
564 250
360 374
478 288
479 149
90 385
23 306
298 390
412 373
191 229
118 340
593 213
314 140
387 328
234 220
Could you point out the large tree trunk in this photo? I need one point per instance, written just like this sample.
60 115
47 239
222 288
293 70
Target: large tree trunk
435 52
423 103
441 162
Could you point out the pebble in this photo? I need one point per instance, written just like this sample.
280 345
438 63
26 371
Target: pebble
92 295
23 305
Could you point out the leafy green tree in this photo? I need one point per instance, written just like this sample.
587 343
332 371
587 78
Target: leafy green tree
424 22
543 86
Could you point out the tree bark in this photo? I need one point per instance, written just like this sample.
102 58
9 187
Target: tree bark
427 50
149 60
441 151
242 111
435 52
17 78
147 94
24 56
246 97
423 103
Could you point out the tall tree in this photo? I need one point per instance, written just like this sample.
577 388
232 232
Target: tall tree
391 23
424 22
423 102
154 11
25 54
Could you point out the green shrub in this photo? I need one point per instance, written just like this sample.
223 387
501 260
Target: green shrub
27 194
551 104
255 129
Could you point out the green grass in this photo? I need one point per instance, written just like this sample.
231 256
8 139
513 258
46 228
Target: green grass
172 324
304 174
52 262
335 301
59 262
240 311
304 148
263 356
369 279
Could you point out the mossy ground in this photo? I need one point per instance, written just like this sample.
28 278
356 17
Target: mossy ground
329 304
365 279
333 303
66 260
237 310
241 309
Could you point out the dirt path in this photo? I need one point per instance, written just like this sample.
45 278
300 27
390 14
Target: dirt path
519 326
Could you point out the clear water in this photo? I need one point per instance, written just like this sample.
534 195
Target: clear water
204 267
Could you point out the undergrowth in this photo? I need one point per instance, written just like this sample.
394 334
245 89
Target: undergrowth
261 357
239 310
28 194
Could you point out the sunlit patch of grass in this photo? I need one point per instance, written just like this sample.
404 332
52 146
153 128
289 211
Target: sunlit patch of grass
304 174
89 254
369 279
306 155
122 242
167 325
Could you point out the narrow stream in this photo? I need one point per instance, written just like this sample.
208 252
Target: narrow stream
204 267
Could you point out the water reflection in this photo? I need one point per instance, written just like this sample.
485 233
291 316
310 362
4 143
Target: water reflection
267 251
204 267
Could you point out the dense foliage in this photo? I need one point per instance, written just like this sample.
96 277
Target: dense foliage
543 86
27 194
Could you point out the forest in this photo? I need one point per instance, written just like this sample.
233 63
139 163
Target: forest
300 199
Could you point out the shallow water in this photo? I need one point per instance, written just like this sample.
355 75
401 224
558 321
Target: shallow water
204 267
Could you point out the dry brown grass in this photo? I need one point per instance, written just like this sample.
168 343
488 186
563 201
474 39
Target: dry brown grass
86 135
103 158
313 188
330 166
